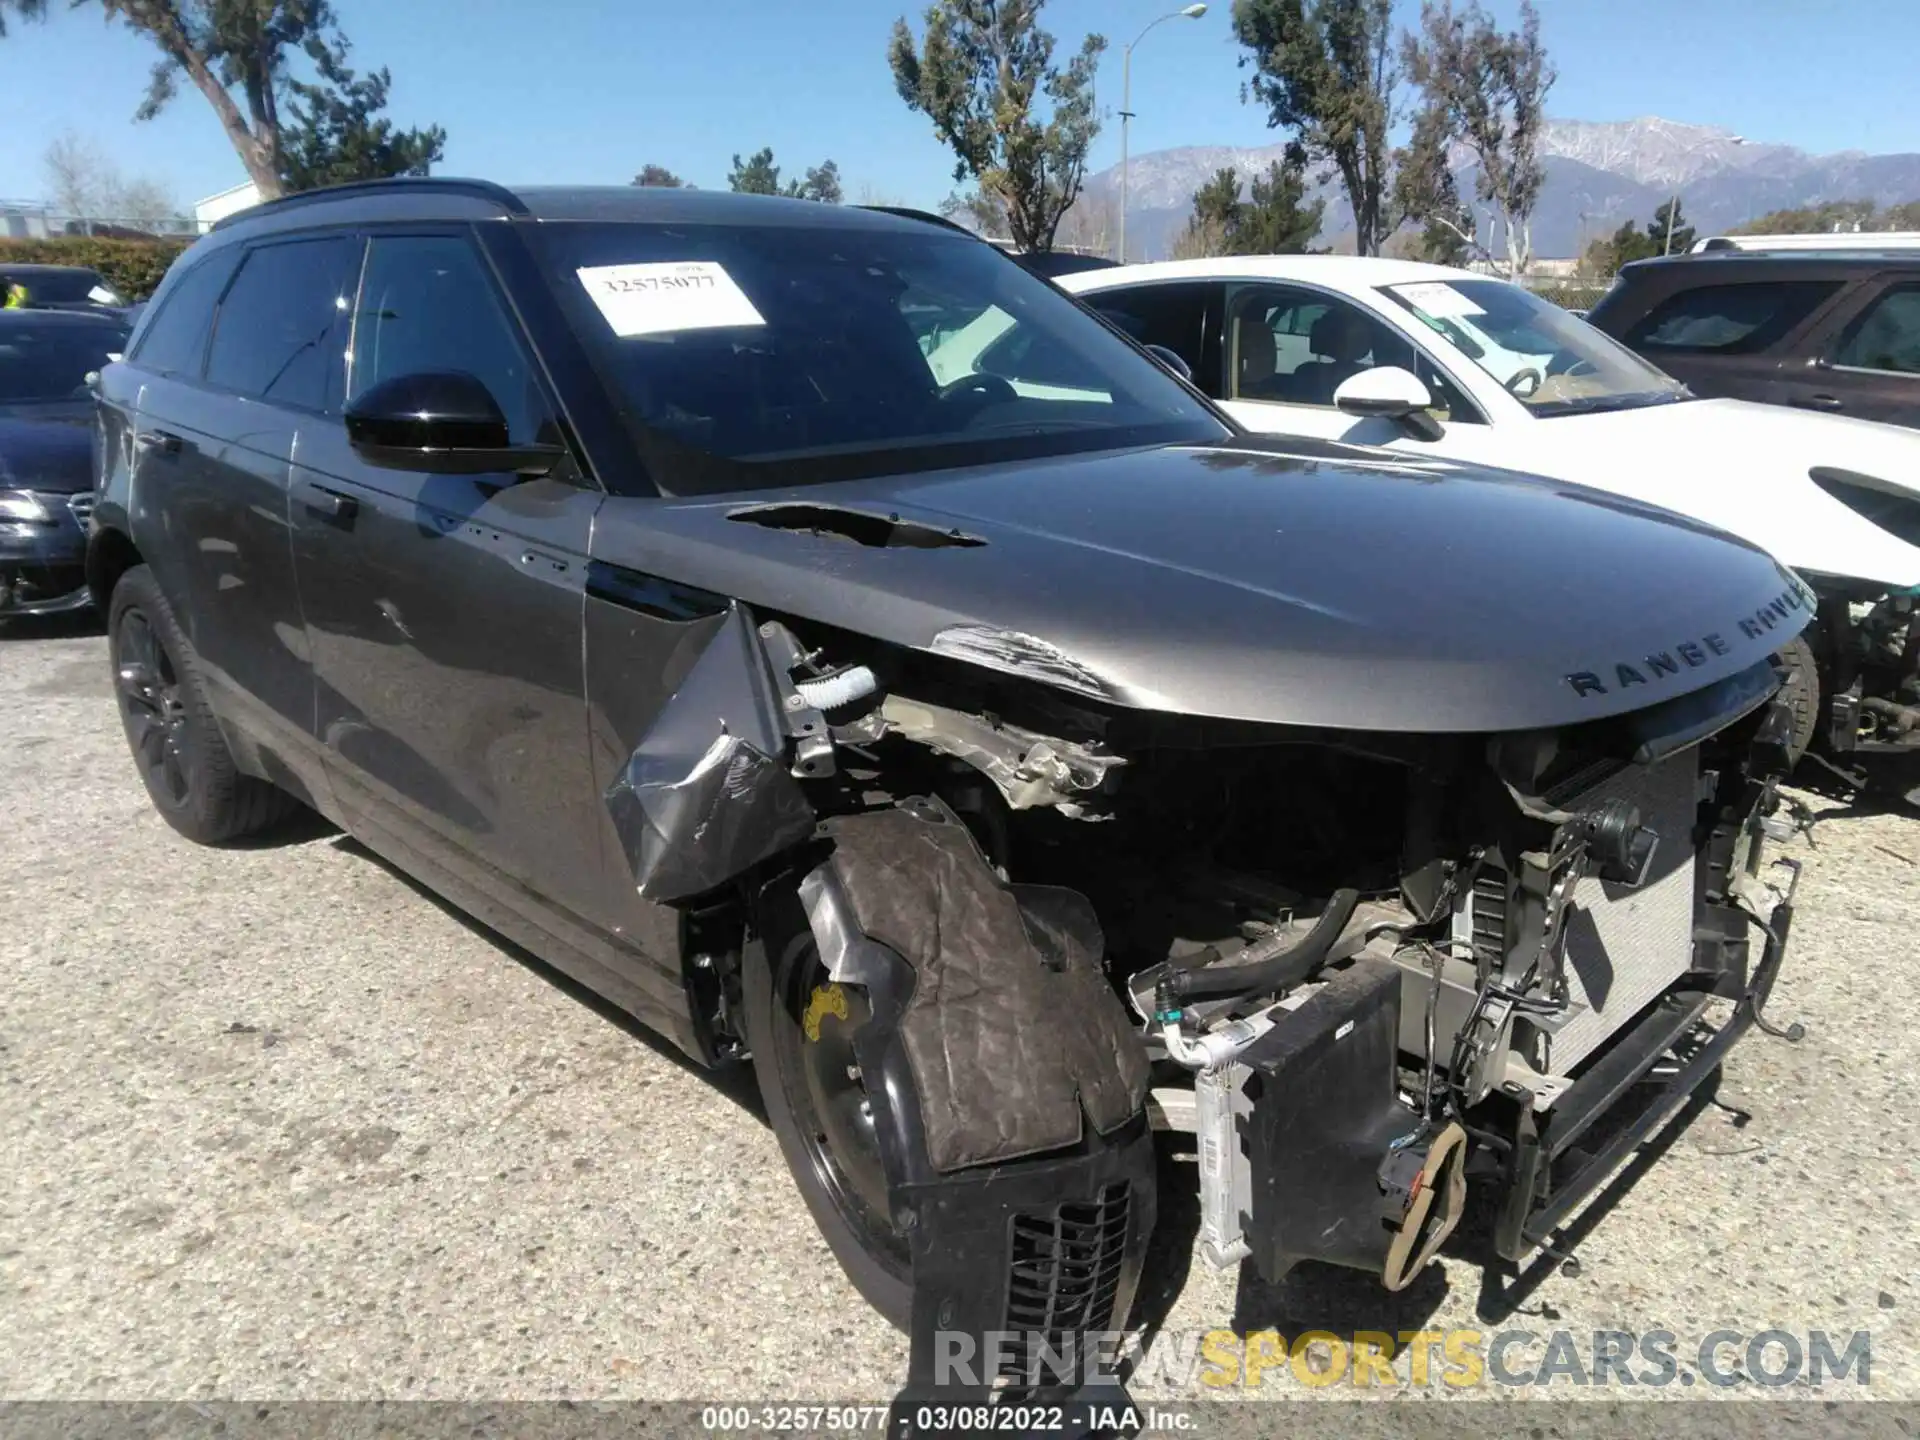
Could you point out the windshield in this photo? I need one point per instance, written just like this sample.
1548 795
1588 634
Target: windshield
64 287
754 356
1553 362
47 361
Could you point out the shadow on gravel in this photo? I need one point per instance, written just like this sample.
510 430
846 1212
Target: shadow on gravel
736 1083
80 624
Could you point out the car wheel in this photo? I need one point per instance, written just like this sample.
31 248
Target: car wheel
800 1026
1801 689
177 746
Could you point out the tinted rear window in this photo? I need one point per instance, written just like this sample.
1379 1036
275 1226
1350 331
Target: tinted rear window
281 332
1729 319
174 341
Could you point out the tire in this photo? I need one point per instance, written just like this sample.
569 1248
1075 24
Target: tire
1802 691
799 1082
176 743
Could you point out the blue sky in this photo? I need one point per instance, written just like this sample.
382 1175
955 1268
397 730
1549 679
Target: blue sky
589 90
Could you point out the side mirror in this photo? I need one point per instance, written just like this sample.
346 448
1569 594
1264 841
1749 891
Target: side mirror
1386 392
442 422
1171 360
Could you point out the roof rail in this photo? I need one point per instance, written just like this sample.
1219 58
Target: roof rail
449 185
1831 242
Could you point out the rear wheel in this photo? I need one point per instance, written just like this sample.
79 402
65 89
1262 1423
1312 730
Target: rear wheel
177 746
800 1025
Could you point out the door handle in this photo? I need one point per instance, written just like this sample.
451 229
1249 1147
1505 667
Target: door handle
1818 402
333 504
165 441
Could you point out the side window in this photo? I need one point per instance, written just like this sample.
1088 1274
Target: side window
427 303
1298 346
1170 315
1729 319
1887 337
278 335
175 339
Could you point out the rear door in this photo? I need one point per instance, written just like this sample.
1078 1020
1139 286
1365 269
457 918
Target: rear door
444 612
213 441
1868 364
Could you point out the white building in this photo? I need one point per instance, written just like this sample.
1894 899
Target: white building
228 202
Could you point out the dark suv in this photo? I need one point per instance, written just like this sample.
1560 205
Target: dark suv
653 573
1834 332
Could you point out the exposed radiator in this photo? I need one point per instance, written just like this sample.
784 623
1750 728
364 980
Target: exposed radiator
1624 946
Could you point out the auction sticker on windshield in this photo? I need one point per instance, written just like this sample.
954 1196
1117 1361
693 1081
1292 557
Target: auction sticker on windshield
659 298
1437 298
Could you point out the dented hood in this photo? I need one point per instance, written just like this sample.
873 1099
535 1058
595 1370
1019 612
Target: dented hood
1330 586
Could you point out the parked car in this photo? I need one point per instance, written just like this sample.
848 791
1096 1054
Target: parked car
60 287
614 562
1440 363
46 454
1835 332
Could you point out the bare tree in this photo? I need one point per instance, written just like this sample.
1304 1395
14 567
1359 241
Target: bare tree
83 183
1089 225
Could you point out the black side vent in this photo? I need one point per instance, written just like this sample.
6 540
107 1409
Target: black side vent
1063 1271
1896 513
879 532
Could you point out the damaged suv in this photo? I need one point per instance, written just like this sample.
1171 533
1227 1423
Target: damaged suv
1006 764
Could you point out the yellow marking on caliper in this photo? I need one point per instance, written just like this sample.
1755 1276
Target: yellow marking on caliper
827 1000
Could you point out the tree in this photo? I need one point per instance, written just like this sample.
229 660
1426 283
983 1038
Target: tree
1426 192
660 177
335 133
979 75
235 53
1834 216
1272 221
1324 69
1668 233
1214 206
758 175
1488 90
979 211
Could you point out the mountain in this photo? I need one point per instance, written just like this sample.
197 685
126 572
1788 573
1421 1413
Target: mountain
1599 174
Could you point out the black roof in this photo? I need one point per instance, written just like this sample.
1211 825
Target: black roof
34 316
7 267
1731 264
448 198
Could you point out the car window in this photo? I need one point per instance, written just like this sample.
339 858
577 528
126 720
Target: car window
1729 319
42 361
428 304
1298 346
746 356
1551 361
174 339
1173 316
1887 337
278 335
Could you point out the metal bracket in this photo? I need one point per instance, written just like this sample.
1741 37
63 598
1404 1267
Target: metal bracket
804 725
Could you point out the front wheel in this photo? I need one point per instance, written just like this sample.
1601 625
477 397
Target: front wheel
1801 690
177 746
800 1025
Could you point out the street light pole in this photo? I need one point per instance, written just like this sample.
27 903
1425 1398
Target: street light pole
1673 205
1189 12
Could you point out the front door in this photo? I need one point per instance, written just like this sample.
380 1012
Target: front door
444 612
1871 370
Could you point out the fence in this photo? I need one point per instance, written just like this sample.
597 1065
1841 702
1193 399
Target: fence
1570 292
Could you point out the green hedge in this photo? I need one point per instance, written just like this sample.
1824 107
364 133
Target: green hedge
133 267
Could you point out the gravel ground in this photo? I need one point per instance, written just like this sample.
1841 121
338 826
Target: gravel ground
277 1125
